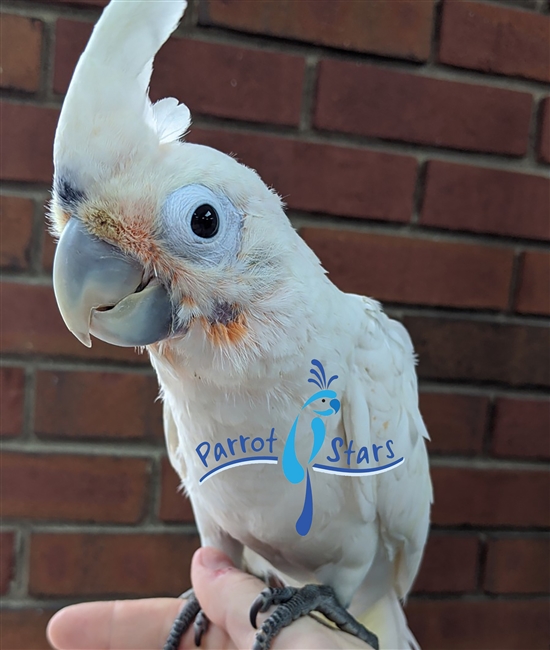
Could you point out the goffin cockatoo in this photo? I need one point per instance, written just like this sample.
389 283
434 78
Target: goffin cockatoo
306 397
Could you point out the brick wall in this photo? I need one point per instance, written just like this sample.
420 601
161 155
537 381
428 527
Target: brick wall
411 141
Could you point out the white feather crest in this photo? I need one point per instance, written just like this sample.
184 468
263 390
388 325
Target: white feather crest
107 104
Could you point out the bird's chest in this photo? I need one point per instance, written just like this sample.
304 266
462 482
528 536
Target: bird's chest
234 468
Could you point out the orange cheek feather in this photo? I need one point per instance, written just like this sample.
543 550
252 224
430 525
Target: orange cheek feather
230 334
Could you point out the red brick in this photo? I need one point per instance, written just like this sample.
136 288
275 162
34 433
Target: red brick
518 566
533 292
480 351
24 629
402 269
21 40
543 148
450 565
74 488
7 560
460 197
456 423
31 324
491 497
224 80
324 178
12 396
16 217
400 29
381 103
495 39
27 134
116 564
76 404
522 428
174 505
479 625
78 3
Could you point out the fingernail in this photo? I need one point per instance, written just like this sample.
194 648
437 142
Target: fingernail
214 560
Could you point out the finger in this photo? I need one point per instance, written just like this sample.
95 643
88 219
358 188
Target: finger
226 595
125 625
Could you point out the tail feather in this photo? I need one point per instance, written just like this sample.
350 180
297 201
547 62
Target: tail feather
387 620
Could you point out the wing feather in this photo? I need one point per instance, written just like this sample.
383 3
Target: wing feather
383 378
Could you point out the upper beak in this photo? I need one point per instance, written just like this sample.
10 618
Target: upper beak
98 291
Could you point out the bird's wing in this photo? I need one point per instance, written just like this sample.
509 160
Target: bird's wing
383 405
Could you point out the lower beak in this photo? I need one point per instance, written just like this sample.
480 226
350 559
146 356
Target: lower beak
99 291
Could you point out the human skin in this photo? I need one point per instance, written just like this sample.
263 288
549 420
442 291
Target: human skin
225 594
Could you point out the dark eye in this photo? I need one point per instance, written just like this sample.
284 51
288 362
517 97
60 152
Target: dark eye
205 222
322 400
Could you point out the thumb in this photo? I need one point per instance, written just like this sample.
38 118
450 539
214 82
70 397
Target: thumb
225 593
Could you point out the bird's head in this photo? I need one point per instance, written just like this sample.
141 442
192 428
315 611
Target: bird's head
157 237
324 401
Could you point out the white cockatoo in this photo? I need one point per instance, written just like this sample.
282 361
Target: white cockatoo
179 248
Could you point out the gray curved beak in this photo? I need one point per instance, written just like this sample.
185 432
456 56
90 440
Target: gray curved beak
98 291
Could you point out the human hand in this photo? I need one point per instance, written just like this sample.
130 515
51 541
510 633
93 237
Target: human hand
225 594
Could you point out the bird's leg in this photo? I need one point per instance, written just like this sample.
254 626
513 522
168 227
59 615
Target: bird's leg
190 613
292 603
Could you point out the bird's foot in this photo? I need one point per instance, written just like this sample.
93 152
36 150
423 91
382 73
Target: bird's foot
190 613
292 603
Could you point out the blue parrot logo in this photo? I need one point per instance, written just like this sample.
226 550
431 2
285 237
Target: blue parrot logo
292 467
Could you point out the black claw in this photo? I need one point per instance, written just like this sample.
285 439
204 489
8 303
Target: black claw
294 603
190 612
255 610
200 626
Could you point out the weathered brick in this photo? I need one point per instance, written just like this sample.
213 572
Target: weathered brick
402 269
450 564
174 505
456 423
24 629
533 291
460 197
543 148
7 560
115 564
475 625
27 134
21 40
519 566
99 3
400 29
480 351
74 488
224 80
16 217
12 396
521 428
325 178
75 404
382 103
495 39
491 497
31 324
